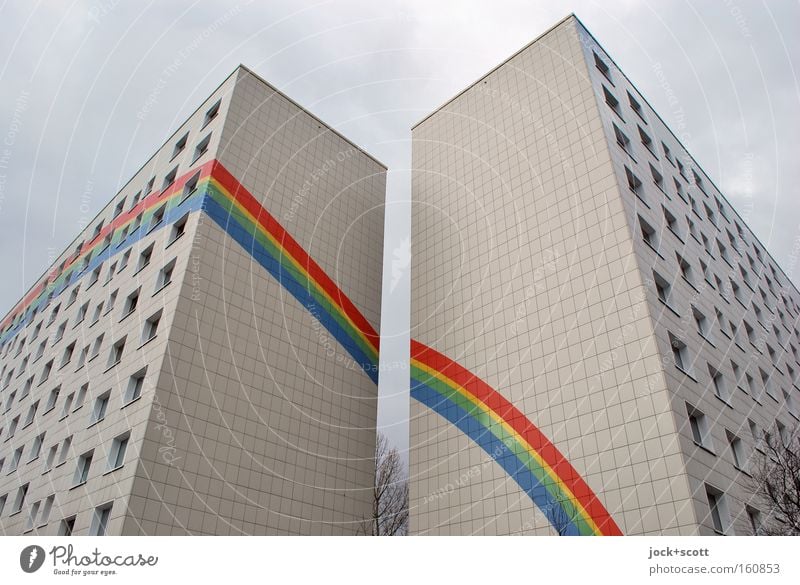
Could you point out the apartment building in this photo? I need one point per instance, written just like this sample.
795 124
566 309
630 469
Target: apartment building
601 341
201 359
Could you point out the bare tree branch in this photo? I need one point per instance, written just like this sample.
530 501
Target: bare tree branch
775 484
390 493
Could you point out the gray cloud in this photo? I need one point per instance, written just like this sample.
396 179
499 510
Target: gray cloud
89 90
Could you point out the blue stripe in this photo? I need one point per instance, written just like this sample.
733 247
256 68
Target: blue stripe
498 450
171 215
247 240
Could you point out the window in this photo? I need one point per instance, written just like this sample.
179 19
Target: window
137 221
51 457
663 288
73 296
685 268
67 526
130 303
766 380
67 404
145 257
10 400
112 298
191 186
178 228
136 199
783 434
612 102
65 447
211 113
119 207
791 403
100 520
135 386
82 391
101 406
716 508
26 388
737 373
648 233
622 140
98 342
3 502
47 507
165 275
751 334
82 313
15 459
157 218
115 356
40 350
699 426
754 516
31 413
672 222
746 277
19 501
151 327
111 270
646 141
169 178
98 310
52 399
82 357
53 315
706 244
13 427
180 145
636 107
720 389
701 321
201 148
710 214
667 153
60 332
698 181
751 386
723 251
634 184
82 469
124 261
680 353
36 448
68 351
658 178
32 516
116 456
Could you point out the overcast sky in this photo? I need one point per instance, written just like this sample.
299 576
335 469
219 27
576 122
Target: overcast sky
89 90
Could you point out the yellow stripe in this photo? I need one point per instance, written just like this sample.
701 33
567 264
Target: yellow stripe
294 262
509 429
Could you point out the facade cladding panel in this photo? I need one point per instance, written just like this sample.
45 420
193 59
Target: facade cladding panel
550 216
228 382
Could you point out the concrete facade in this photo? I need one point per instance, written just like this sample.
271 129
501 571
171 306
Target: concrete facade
552 213
224 412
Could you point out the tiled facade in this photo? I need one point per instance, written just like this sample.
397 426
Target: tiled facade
571 256
180 369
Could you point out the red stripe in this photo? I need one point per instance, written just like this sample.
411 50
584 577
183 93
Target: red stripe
266 220
520 423
87 245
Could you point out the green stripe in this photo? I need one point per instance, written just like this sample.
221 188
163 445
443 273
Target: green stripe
301 276
513 444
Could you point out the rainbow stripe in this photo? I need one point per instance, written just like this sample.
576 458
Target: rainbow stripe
450 390
245 220
511 439
92 252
